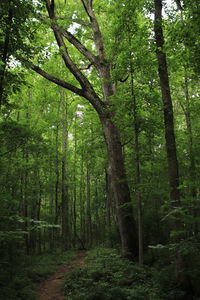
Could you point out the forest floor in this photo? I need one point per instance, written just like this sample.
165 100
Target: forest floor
51 288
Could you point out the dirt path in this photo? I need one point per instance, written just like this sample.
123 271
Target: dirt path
51 288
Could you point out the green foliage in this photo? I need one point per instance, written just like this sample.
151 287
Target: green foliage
40 266
18 281
108 276
31 134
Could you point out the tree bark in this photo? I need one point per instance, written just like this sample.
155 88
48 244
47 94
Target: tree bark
173 168
120 188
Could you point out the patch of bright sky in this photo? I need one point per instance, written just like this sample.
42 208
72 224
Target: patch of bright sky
167 5
79 112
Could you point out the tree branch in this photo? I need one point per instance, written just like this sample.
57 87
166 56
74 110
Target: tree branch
79 46
95 28
86 68
52 78
81 22
90 95
84 82
87 90
50 7
125 79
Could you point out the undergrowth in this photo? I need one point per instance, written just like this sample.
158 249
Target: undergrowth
17 280
108 276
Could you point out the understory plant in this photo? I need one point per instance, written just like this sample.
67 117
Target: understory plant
108 276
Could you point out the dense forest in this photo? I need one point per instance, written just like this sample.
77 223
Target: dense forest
100 146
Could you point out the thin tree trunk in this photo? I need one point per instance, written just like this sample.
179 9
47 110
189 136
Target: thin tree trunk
137 170
192 168
65 200
25 202
38 214
88 210
74 187
82 204
108 209
57 171
99 231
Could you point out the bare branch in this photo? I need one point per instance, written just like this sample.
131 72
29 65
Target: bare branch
86 68
125 79
79 46
127 142
95 28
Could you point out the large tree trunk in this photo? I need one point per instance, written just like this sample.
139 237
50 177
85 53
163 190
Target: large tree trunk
120 188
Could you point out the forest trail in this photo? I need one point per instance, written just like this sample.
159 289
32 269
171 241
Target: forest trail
51 288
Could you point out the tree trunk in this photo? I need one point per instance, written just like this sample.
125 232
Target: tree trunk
173 169
88 211
82 203
120 188
137 169
108 209
65 200
57 171
192 168
74 187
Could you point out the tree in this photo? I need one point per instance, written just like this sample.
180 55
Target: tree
173 167
104 108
